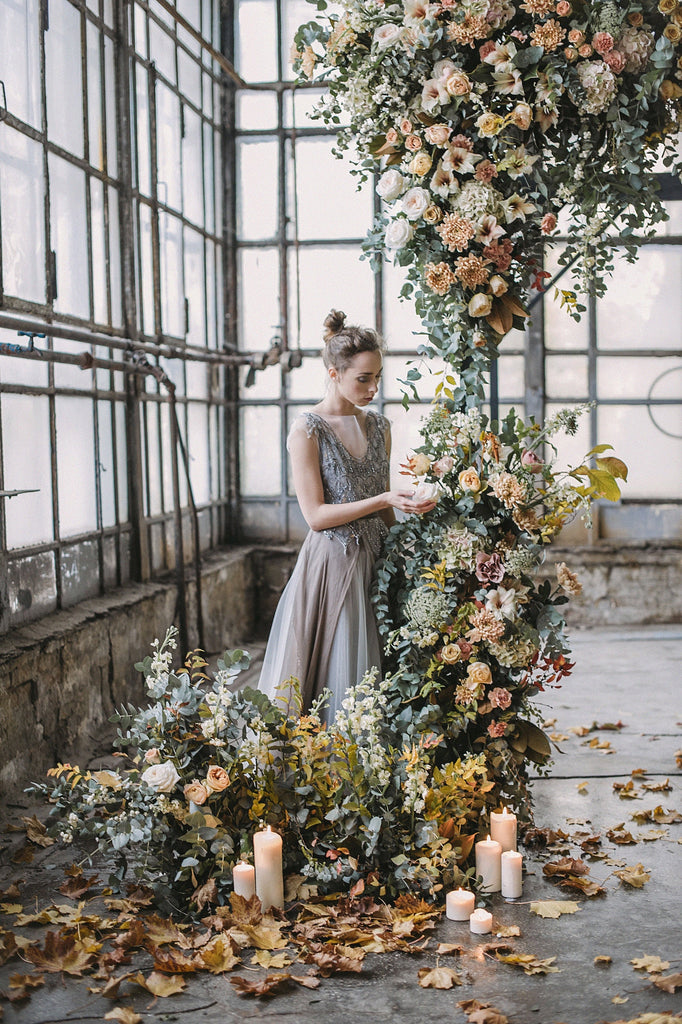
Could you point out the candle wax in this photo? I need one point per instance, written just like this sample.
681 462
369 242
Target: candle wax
459 905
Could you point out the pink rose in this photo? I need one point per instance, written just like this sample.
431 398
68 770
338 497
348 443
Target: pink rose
485 171
405 126
465 647
576 37
570 53
413 143
442 466
438 134
603 42
152 756
496 729
487 48
531 461
500 697
391 136
489 568
563 9
615 60
585 50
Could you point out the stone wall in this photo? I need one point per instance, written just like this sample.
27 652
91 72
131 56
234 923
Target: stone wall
61 677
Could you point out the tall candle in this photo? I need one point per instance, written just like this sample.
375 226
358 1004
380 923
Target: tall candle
512 869
267 857
503 828
481 922
488 864
244 879
459 904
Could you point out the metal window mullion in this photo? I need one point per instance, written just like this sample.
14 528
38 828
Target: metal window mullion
592 393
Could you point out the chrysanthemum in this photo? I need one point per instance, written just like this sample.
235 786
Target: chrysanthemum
467 31
456 232
472 271
485 626
539 8
549 35
439 277
509 489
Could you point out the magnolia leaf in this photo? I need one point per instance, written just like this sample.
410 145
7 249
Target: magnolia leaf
650 964
554 908
161 985
669 982
266 986
635 876
124 1015
438 977
529 963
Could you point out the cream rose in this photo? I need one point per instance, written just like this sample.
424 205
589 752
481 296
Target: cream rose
420 164
458 84
161 777
498 286
426 492
390 184
489 124
196 792
415 201
437 134
479 674
152 756
480 304
522 116
451 654
469 480
433 214
385 36
420 464
398 233
217 779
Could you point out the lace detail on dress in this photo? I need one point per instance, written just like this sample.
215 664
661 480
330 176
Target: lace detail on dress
346 478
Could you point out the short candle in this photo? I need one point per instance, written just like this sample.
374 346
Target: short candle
512 871
503 828
488 865
459 904
267 857
244 880
481 922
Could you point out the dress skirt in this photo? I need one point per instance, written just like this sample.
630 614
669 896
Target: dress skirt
324 632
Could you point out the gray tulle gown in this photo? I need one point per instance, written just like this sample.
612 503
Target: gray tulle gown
324 632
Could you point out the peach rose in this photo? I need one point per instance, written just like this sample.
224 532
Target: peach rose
413 143
420 164
152 756
196 792
489 124
437 134
479 674
576 37
443 465
217 779
405 126
420 464
469 480
458 84
522 116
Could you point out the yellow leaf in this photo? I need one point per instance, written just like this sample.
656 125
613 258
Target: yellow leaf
635 876
554 908
108 779
161 985
508 932
264 958
603 959
438 977
218 955
620 999
650 964
124 1015
616 467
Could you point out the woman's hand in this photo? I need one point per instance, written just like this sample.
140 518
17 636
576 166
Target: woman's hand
404 501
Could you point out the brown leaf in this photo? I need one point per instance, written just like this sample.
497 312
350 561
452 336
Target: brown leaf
529 963
36 832
171 961
482 1013
449 949
135 936
218 956
602 960
583 885
668 982
61 954
657 787
306 980
24 855
650 964
508 931
77 885
8 947
124 1015
620 836
161 985
635 876
266 986
13 892
438 977
163 931
565 867
207 893
26 980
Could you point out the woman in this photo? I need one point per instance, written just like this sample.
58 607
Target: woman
324 633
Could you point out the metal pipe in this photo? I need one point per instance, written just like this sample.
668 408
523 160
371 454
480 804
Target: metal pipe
177 518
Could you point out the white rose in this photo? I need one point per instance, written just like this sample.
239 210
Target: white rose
386 35
390 184
415 202
443 68
161 777
398 233
480 304
426 492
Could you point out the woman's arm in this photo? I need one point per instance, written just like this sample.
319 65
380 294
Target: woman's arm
320 515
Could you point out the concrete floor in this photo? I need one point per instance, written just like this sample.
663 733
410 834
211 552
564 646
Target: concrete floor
629 676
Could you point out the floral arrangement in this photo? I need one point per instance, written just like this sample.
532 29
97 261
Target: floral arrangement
368 803
489 118
473 631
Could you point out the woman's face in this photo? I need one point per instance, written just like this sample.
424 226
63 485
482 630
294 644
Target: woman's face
359 382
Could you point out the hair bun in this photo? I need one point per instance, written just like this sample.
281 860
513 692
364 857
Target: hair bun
334 322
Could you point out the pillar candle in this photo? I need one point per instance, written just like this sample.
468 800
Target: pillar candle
459 904
488 864
512 868
503 828
244 880
481 922
267 857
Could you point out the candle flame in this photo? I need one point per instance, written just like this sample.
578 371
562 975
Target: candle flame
488 838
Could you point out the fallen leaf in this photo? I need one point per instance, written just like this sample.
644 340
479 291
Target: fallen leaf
26 980
603 960
509 931
565 867
161 985
554 908
650 964
658 787
264 958
36 832
482 1013
626 790
24 855
449 949
306 980
634 876
61 954
579 730
653 834
582 788
620 836
12 892
77 885
620 999
124 1015
207 893
267 986
668 982
438 977
333 959
162 931
529 963
172 961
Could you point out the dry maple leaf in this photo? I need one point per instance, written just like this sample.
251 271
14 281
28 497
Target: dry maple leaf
36 832
658 787
218 955
77 885
24 855
635 876
564 867
554 908
12 892
482 1013
438 977
8 948
529 963
449 949
61 954
583 885
161 985
162 931
508 931
171 961
133 936
668 982
124 1015
620 836
264 958
650 964
205 894
333 960
266 986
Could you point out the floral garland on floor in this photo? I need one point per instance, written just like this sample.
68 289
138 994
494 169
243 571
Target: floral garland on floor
489 119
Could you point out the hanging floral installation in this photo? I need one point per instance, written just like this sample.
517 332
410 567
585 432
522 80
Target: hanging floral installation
488 121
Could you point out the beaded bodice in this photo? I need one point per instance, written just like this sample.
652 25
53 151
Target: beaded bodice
347 478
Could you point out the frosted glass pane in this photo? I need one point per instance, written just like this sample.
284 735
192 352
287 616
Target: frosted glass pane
219 298
267 384
674 225
95 129
75 466
400 319
329 204
258 298
218 188
566 377
561 331
511 378
299 105
115 260
153 459
23 216
15 370
192 172
106 465
257 162
643 306
207 94
189 74
162 47
20 58
69 375
172 288
260 465
144 166
99 254
197 452
634 377
168 146
405 438
122 462
140 31
216 459
64 83
256 110
307 381
68 228
667 387
332 279
194 286
210 295
110 108
396 369
26 466
654 460
209 172
256 40
146 294
571 451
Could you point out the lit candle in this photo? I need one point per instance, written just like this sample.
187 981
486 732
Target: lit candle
503 828
488 864
267 857
481 922
512 867
244 879
459 904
